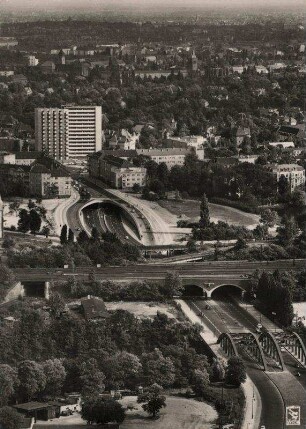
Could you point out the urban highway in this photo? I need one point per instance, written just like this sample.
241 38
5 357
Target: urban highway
106 218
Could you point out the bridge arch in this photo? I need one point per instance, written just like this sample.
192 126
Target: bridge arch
294 344
253 346
229 286
227 344
271 348
194 290
128 211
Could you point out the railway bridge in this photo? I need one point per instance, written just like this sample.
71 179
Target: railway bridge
195 286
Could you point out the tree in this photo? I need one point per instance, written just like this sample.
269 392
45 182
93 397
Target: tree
153 400
101 411
31 204
136 188
24 221
32 379
57 304
7 276
34 222
46 231
158 369
14 206
172 285
91 378
55 374
191 246
10 418
70 236
200 381
235 371
63 235
287 231
240 244
298 199
204 213
82 237
123 369
268 217
8 382
283 186
8 242
218 370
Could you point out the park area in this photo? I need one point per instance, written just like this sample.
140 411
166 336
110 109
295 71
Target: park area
180 413
190 209
144 309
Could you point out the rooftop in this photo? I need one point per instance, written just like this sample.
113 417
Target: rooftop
94 308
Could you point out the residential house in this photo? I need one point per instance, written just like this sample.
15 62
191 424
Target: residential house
48 67
241 134
294 173
20 78
169 156
94 308
48 178
120 173
39 410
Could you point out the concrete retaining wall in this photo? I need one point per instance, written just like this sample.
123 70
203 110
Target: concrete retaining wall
14 292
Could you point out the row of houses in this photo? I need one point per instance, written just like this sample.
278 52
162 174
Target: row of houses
39 175
116 167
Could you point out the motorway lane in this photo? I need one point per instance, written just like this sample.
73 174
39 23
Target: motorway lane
114 223
73 219
273 411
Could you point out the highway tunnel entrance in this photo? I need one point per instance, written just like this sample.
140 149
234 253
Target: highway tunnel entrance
34 289
224 291
109 217
194 291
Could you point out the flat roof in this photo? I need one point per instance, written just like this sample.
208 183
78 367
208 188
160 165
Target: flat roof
31 406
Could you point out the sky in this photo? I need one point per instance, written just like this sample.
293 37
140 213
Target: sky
92 4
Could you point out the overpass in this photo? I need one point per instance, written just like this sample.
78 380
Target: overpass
201 278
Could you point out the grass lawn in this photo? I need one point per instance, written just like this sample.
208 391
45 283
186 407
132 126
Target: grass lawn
180 413
144 309
191 210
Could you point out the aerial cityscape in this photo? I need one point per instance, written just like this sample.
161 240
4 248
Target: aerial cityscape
152 214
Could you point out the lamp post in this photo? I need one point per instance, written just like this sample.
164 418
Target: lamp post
274 314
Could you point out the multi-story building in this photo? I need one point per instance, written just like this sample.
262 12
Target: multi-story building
294 173
7 73
120 173
8 42
68 132
170 156
123 140
32 61
7 158
48 178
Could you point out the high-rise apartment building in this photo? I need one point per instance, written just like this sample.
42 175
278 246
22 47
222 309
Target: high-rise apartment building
68 132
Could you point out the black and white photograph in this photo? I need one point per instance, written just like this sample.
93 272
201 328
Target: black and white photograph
152 214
